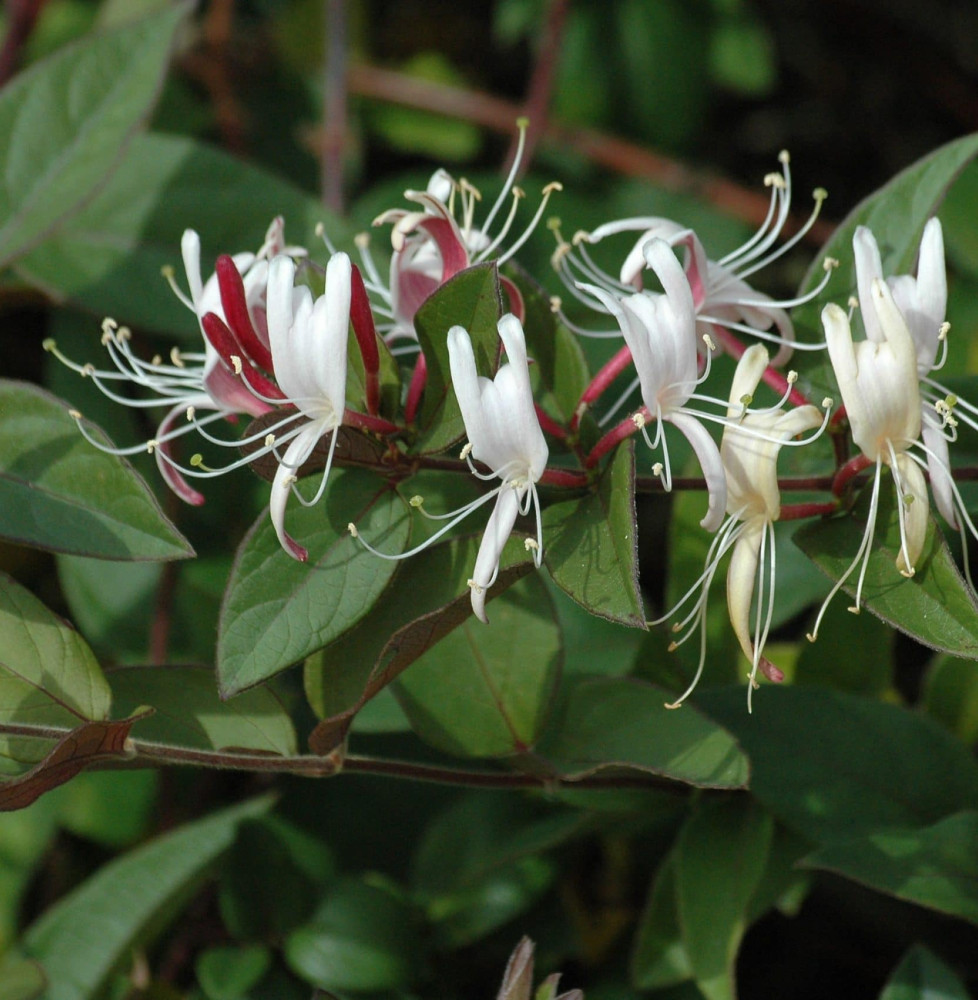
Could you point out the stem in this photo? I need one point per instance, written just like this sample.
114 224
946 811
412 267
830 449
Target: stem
367 422
617 434
564 477
548 425
334 106
797 511
771 377
843 475
608 372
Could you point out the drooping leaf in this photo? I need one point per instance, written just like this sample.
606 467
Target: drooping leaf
471 299
623 724
65 123
59 492
935 866
923 976
935 606
187 712
720 858
486 690
50 682
108 257
92 930
428 599
866 765
591 548
896 214
276 610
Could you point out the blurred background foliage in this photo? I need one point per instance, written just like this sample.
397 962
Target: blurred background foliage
672 107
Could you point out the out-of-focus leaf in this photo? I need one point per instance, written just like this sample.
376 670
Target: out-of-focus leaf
83 937
486 691
896 213
361 938
189 713
935 866
471 299
623 725
20 978
428 599
866 765
108 257
112 808
743 54
935 606
65 122
720 858
923 976
591 548
59 492
951 696
277 610
659 955
228 972
49 679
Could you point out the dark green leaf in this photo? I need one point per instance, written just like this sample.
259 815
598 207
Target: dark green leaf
92 930
20 978
659 956
935 606
65 122
923 976
59 492
623 724
362 937
935 866
471 299
865 766
591 545
108 257
229 972
951 697
720 859
486 690
189 713
277 610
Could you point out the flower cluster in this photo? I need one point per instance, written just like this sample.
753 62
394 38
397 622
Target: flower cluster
274 348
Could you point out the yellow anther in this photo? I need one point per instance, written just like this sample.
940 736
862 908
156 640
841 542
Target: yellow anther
784 157
269 440
853 302
638 419
553 223
109 325
549 189
672 647
157 361
175 357
557 257
820 194
362 241
944 330
518 192
465 452
708 340
167 271
416 501
774 180
352 529
236 364
854 610
555 303
829 264
151 445
581 236
658 469
522 122
197 461
530 544
827 403
319 230
48 344
88 369
75 414
191 412
811 636
908 573
792 377
124 333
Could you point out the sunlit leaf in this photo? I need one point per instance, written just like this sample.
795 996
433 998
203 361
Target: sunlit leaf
923 976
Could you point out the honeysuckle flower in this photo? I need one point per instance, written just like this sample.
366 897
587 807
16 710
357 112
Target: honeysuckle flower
504 434
191 381
879 386
752 441
722 297
441 237
660 331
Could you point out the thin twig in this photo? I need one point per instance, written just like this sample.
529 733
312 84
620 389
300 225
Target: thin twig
615 154
334 107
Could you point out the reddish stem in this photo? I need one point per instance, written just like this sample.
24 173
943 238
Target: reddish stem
564 477
615 436
548 424
416 389
852 468
368 422
363 327
797 511
599 384
771 377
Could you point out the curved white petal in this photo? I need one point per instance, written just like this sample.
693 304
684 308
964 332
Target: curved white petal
741 578
498 529
299 449
708 456
939 465
869 267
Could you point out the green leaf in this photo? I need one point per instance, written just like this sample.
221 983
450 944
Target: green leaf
428 599
277 610
923 976
189 713
866 765
230 971
486 690
720 858
935 606
65 123
20 978
471 299
49 679
112 808
108 257
92 930
59 492
659 956
622 723
951 696
935 866
591 545
896 213
362 937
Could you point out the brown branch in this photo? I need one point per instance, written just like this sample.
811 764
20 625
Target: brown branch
615 154
334 107
22 15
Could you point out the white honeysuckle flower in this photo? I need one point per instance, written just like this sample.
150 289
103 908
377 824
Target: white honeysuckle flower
192 381
660 331
752 441
504 434
722 297
441 237
879 386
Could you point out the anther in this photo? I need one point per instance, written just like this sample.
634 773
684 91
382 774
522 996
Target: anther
555 303
552 186
175 357
638 419
236 364
530 544
269 440
944 330
416 501
708 340
109 325
829 264
784 157
191 412
658 469
820 194
792 377
828 403
151 445
466 451
156 361
352 529
853 302
854 610
75 414
197 461
361 241
48 344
